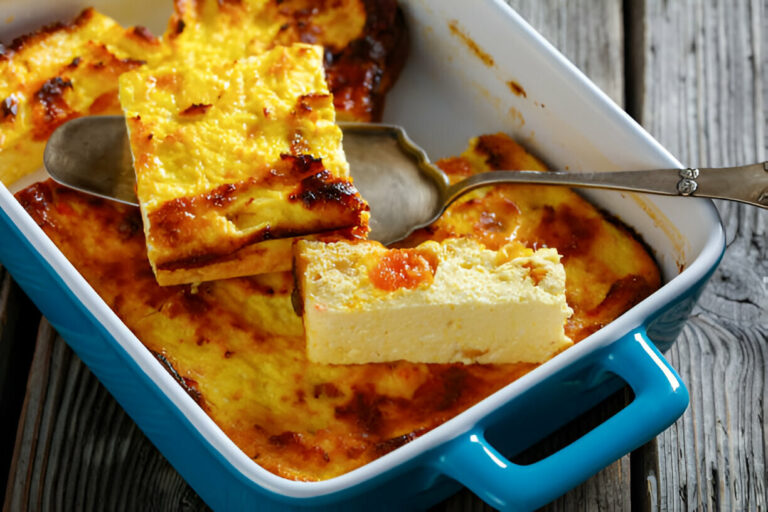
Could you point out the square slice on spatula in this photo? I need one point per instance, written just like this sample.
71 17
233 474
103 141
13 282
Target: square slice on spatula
233 159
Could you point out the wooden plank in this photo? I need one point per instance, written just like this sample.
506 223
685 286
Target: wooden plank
77 450
18 320
590 33
704 92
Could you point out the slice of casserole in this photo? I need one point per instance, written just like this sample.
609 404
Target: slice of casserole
232 157
448 302
58 73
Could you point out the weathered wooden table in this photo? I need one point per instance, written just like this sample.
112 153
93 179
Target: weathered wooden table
695 74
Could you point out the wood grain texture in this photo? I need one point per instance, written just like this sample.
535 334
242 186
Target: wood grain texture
590 33
77 450
704 92
18 320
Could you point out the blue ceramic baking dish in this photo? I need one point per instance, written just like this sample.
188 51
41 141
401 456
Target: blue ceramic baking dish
445 95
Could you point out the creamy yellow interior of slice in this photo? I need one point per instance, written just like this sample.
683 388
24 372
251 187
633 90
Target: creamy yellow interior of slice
230 154
448 302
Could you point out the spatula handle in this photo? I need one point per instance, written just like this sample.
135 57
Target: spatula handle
746 183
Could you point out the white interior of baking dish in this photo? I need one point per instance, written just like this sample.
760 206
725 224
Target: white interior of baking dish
449 92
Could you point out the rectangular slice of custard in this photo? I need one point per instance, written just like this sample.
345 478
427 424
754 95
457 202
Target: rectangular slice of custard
58 73
454 301
233 159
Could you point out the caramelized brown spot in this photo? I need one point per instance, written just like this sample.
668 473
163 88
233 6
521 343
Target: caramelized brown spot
189 385
50 110
623 294
535 272
167 81
33 38
75 62
363 409
517 89
327 389
481 54
130 225
360 74
322 189
500 151
195 109
9 108
144 34
285 439
104 102
456 166
567 231
386 446
444 389
292 169
294 441
190 303
36 200
308 102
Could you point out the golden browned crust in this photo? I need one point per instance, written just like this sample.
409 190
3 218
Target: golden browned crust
38 36
360 75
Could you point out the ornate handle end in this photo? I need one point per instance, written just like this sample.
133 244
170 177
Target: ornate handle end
687 184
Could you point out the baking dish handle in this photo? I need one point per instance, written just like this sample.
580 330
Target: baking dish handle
660 398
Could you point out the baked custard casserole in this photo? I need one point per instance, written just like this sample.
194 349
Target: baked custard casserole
236 345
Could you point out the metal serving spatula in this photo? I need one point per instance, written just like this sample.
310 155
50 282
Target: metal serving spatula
404 190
